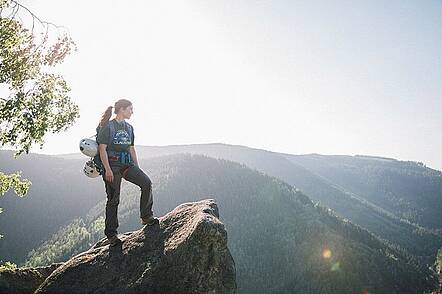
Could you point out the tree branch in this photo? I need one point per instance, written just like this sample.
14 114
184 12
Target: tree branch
37 18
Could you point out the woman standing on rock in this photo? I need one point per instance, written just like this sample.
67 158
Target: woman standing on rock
117 152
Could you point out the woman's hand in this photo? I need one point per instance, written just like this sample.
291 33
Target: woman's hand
109 176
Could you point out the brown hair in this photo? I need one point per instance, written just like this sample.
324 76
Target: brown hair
122 103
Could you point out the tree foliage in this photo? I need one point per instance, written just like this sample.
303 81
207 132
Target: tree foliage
8 266
13 181
37 100
33 100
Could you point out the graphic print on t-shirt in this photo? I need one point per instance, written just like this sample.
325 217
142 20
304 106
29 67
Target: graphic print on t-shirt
122 138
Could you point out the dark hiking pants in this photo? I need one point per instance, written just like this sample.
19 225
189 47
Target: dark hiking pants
136 176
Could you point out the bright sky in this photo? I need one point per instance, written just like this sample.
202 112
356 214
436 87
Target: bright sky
329 77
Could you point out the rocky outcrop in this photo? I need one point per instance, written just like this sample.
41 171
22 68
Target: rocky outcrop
24 280
186 253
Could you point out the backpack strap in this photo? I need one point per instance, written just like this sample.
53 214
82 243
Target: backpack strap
111 133
128 158
109 150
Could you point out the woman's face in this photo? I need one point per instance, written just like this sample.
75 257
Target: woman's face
127 112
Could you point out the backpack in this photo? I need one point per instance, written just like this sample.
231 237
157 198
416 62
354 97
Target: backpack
124 156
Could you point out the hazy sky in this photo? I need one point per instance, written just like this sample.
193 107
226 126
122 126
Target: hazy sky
329 77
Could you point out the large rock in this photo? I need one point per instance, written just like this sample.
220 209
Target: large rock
24 280
186 253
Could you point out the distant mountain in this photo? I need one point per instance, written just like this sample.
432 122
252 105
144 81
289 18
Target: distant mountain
58 194
346 196
280 240
347 184
408 189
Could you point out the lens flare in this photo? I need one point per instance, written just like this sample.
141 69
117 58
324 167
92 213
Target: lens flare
326 253
335 267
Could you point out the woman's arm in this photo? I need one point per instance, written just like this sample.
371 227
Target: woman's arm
109 175
133 153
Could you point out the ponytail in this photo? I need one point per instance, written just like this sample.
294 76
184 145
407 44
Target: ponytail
122 103
105 117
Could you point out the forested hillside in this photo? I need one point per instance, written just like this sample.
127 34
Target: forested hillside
58 194
321 187
280 240
408 189
421 241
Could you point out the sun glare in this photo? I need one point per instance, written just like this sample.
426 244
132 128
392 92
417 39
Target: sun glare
326 253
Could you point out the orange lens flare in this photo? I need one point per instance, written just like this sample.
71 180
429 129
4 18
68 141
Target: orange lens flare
326 253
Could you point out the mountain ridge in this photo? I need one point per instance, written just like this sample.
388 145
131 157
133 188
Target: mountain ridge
300 244
373 157
361 211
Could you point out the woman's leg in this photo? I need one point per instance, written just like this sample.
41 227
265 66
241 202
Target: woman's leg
136 176
113 199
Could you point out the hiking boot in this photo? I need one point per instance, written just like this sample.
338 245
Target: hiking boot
149 221
114 240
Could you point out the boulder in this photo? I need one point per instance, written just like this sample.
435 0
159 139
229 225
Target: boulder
185 253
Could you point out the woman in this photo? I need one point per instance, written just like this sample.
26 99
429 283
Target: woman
117 152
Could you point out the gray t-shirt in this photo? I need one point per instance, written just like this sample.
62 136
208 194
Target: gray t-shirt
122 139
